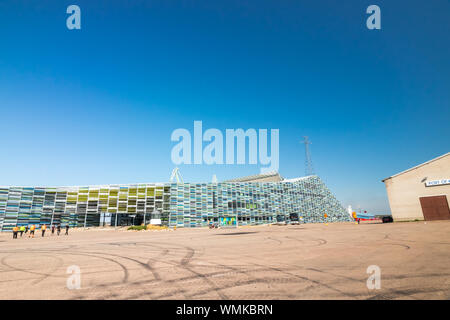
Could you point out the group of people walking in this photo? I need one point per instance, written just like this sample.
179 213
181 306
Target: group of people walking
24 229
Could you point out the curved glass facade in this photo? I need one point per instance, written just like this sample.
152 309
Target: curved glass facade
181 205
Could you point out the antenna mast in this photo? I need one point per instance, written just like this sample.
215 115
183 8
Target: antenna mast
176 175
309 171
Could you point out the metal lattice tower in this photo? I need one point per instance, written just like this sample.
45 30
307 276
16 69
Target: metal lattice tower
309 171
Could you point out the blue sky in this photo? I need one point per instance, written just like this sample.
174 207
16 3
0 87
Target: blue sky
98 105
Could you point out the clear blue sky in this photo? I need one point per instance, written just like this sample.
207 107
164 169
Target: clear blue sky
98 105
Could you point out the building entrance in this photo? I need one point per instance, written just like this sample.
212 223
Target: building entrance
435 208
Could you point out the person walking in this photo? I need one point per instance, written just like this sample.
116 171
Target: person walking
21 230
67 230
26 229
15 230
53 229
43 228
32 228
58 229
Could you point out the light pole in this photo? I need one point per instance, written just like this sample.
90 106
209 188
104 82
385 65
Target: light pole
85 218
51 221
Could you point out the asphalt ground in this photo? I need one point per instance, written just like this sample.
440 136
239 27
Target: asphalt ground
313 261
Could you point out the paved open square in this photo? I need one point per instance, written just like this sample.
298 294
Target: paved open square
312 261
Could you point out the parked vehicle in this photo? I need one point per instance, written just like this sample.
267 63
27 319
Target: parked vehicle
293 218
387 219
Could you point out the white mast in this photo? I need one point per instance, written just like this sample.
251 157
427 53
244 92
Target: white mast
176 175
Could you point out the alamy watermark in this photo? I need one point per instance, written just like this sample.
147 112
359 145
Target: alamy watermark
73 22
374 280
74 280
235 140
374 20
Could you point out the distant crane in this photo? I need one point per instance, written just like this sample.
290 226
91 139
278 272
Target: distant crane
309 171
176 175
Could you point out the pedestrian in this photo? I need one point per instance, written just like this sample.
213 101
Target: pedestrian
26 229
43 228
67 230
58 229
32 228
21 230
53 229
15 230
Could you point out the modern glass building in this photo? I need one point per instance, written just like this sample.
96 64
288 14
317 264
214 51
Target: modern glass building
179 204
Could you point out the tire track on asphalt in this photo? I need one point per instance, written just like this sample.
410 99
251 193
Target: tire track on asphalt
34 281
265 280
319 241
249 281
184 264
273 239
389 236
140 263
402 293
307 279
125 270
51 272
